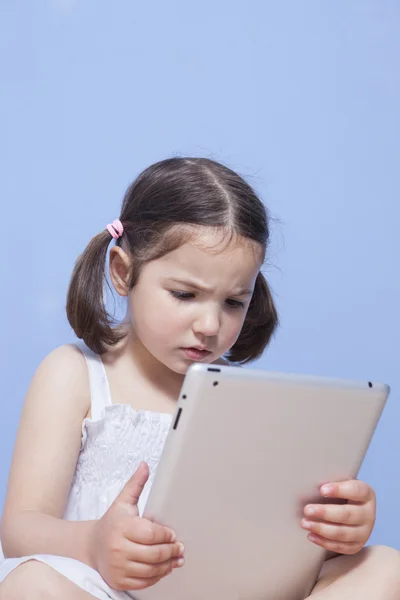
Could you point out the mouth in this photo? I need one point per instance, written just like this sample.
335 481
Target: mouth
197 353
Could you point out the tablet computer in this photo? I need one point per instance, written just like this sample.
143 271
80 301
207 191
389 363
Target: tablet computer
247 450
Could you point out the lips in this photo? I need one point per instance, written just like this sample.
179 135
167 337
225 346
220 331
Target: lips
196 353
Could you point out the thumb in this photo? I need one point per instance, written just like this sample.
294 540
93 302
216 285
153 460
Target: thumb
134 486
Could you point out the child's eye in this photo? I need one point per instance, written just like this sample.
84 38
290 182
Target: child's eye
190 295
234 303
182 295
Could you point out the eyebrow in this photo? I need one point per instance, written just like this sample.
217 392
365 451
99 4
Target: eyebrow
202 288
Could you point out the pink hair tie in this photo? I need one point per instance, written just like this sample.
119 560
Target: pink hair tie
115 229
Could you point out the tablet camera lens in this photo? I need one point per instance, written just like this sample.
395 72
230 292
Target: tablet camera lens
215 383
370 383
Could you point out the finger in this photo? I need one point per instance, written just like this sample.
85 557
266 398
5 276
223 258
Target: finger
338 533
150 571
154 554
337 547
134 487
143 531
346 514
353 490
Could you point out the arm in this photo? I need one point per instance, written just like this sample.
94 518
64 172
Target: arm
44 460
33 532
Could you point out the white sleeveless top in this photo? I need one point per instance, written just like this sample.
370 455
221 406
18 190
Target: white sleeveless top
115 439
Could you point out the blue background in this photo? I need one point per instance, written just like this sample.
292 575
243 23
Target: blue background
302 98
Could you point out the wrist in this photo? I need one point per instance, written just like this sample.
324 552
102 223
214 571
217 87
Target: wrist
89 544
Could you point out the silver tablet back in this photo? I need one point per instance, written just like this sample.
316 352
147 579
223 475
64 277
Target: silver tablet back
247 451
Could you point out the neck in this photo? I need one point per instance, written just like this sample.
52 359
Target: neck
155 373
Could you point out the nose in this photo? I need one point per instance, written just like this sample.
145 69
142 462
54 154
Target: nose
207 322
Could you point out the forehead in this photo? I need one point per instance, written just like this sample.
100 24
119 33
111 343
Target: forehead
215 259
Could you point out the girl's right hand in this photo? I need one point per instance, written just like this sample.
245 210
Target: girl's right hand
129 552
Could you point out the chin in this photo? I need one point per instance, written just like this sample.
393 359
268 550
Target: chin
175 365
182 371
179 366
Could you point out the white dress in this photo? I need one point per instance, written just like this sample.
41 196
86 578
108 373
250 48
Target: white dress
114 441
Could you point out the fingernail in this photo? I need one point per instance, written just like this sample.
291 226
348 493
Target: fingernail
309 511
181 548
181 562
305 524
173 537
326 489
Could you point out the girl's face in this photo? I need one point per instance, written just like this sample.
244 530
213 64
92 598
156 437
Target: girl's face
190 305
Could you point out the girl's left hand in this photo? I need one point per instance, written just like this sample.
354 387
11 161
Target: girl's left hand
342 528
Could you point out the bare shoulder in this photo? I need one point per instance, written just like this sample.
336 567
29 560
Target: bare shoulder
65 361
61 381
61 377
49 434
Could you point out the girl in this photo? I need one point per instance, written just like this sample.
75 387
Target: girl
190 243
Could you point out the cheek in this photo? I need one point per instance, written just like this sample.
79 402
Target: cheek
166 325
155 319
233 329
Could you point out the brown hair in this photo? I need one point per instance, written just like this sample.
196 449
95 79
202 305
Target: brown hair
156 210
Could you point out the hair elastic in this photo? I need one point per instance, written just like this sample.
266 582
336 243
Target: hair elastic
115 229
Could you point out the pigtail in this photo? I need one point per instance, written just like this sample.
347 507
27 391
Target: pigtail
86 310
260 324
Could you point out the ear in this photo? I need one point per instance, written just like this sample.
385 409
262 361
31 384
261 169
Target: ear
120 264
